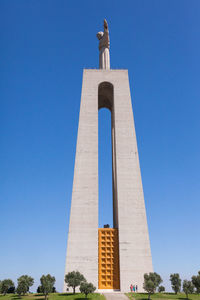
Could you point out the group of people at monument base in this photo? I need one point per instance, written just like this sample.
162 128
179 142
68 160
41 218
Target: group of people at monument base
133 288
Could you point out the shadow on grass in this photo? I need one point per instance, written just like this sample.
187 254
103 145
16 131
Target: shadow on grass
71 294
66 294
75 295
11 296
131 296
165 293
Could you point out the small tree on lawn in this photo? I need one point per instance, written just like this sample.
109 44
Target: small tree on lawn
24 283
21 289
6 284
87 288
74 279
11 290
39 289
47 283
149 287
196 282
175 282
151 282
161 289
188 287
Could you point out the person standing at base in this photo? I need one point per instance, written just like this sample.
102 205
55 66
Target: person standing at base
136 288
131 287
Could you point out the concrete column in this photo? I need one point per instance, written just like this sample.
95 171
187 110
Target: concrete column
129 207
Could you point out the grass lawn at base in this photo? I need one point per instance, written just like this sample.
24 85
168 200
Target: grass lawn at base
55 296
162 296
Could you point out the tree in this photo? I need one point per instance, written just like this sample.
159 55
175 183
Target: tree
47 283
6 284
87 288
161 289
188 287
74 279
196 282
175 282
149 287
24 283
11 290
39 289
151 282
21 289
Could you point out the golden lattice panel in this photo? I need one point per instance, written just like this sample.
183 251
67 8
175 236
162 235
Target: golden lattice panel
108 259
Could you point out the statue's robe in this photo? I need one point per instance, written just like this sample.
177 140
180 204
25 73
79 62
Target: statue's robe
104 55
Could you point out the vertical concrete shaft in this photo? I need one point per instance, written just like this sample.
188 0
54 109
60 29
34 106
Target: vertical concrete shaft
129 208
82 246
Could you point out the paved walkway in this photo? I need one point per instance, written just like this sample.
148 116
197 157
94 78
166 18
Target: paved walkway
115 296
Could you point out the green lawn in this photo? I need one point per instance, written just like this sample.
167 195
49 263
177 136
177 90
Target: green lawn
163 296
52 297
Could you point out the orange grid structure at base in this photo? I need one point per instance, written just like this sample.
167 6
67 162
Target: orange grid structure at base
108 259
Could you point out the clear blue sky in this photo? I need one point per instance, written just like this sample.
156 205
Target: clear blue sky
44 47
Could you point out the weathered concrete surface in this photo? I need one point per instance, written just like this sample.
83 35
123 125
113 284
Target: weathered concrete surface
134 247
115 296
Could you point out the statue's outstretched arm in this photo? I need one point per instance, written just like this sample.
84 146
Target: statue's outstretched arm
105 25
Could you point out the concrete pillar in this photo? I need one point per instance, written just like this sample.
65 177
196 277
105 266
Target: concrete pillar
128 200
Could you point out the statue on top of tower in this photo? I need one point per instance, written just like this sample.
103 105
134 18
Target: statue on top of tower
104 46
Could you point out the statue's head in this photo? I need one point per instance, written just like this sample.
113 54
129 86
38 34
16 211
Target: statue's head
99 35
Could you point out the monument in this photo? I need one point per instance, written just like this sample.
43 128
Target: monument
110 258
104 46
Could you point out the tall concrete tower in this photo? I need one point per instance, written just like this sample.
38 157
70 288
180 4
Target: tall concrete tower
110 258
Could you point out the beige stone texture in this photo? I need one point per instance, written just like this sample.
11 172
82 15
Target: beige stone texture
129 207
